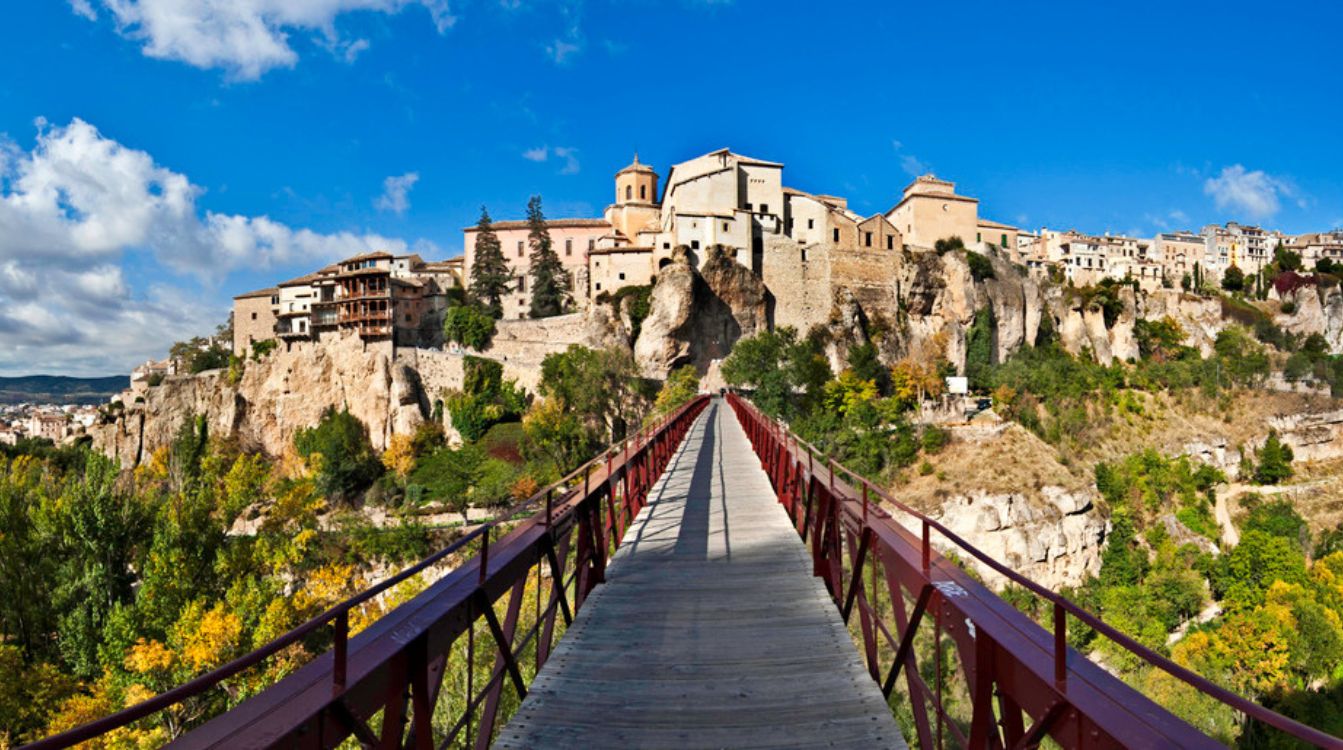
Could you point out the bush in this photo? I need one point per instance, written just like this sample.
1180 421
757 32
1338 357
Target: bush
1288 308
948 244
934 439
469 325
261 348
641 303
1233 280
338 451
980 266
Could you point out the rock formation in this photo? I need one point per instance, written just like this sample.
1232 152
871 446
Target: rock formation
696 316
1055 543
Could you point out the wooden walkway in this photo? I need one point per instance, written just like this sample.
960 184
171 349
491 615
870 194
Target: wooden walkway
710 632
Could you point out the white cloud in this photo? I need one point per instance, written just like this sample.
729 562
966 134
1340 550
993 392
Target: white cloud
912 165
77 208
1253 193
82 8
561 50
567 154
396 192
244 37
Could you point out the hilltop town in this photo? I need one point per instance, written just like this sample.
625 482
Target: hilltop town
804 247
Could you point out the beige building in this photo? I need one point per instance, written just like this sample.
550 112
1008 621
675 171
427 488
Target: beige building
1179 253
254 318
931 210
572 239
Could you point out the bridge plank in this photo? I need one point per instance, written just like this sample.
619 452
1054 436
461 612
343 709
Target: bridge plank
710 631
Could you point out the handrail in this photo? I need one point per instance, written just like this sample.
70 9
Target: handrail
1061 604
338 614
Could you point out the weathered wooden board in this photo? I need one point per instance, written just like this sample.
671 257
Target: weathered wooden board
710 632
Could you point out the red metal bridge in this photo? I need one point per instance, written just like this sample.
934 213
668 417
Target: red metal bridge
710 582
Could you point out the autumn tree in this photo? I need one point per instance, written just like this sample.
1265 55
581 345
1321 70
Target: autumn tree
491 278
550 281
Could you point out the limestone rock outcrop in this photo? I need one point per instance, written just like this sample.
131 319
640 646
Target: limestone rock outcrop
1055 543
696 316
279 395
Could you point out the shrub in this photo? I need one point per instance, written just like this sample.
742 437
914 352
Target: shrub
980 266
1275 461
1233 280
261 348
934 439
469 325
948 244
338 451
1288 308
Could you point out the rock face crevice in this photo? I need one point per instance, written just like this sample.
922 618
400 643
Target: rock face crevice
696 316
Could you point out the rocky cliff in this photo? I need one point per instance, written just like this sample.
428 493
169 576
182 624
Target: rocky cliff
696 316
278 395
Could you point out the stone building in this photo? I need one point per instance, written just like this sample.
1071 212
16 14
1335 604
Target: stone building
931 210
254 318
376 296
572 239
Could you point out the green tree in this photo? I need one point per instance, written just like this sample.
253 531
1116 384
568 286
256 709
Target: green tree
864 362
786 374
979 348
469 325
1233 280
550 281
491 277
339 452
602 387
1286 260
1275 461
681 386
95 529
1242 575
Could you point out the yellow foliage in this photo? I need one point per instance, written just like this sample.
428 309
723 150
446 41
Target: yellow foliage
212 639
136 693
914 380
524 487
848 392
400 455
149 656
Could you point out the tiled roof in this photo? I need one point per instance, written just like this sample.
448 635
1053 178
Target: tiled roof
267 292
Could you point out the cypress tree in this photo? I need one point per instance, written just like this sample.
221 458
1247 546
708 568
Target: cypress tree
550 282
490 276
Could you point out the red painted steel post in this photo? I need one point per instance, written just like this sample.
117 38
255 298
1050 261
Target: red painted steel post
550 505
1060 648
864 505
927 552
485 555
340 651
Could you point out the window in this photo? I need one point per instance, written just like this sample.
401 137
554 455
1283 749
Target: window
811 223
890 242
748 206
629 192
622 277
599 286
666 246
519 248
253 316
592 244
804 255
522 283
867 239
979 237
643 192
764 208
1004 240
694 244
836 234
568 247
725 226
407 317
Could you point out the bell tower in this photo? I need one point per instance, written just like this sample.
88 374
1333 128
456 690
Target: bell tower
636 201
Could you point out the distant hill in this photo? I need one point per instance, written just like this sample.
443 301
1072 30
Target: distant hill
60 389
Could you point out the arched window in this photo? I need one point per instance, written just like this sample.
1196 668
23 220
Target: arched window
643 192
629 192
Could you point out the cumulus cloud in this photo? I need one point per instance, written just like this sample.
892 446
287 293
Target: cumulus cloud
566 156
244 37
77 208
1255 194
396 193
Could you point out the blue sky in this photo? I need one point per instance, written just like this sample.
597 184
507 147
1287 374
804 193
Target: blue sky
159 156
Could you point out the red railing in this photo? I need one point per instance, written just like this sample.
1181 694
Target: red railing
1003 654
382 686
